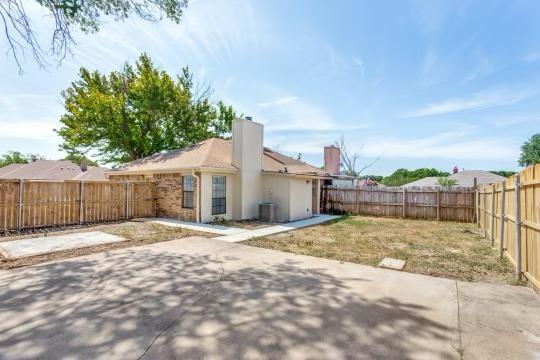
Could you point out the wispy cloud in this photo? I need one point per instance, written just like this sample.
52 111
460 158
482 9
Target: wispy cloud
483 66
277 102
448 145
531 57
478 101
360 64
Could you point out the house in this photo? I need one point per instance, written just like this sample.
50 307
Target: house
229 179
464 178
332 160
53 170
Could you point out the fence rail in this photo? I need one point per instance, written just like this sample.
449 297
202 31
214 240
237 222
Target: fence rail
417 203
509 214
34 203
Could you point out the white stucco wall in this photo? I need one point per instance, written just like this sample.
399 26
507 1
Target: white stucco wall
300 199
276 190
247 158
206 196
292 194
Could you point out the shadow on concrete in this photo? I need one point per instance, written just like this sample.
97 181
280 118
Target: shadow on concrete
141 303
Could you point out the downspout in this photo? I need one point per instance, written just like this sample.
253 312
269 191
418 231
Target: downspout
198 200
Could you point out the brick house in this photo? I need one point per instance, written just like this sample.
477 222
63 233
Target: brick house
218 177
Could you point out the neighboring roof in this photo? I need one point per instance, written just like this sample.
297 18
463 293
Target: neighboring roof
52 170
464 178
213 153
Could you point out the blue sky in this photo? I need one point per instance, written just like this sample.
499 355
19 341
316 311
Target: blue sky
418 83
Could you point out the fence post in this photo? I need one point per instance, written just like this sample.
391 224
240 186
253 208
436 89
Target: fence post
126 200
81 192
477 207
438 204
492 230
19 205
484 210
502 219
404 211
518 227
357 201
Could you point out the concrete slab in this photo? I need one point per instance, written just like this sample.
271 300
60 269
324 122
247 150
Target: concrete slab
203 298
276 229
209 228
48 244
392 264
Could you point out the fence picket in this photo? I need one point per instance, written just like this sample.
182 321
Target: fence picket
38 203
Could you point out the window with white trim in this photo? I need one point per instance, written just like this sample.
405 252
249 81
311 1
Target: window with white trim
219 190
188 189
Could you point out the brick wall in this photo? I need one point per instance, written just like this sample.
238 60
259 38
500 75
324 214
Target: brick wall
168 195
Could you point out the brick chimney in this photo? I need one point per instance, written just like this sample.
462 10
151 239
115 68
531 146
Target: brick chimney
331 159
455 170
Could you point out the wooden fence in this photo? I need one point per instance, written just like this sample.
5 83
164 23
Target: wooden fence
33 203
416 203
509 214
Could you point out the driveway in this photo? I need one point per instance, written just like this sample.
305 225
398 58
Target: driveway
201 298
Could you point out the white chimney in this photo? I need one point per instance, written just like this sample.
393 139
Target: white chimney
247 138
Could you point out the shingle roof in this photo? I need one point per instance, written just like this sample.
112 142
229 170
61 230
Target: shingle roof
464 178
213 153
52 170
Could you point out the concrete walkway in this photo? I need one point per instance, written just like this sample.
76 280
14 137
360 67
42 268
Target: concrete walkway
232 234
200 298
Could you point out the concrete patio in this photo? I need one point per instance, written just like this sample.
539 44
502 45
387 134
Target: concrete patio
202 298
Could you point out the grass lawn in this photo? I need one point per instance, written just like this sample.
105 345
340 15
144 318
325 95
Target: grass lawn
138 233
446 249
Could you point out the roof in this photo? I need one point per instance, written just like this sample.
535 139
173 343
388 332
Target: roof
464 178
214 153
52 170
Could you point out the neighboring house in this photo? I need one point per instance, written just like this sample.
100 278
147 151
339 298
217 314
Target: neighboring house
53 170
228 179
465 178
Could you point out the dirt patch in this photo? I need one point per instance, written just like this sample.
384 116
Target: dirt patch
137 232
444 249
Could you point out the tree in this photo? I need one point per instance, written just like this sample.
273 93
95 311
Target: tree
17 157
404 176
446 182
79 158
138 111
349 158
530 151
505 173
67 15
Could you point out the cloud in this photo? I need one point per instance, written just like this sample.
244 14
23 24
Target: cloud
360 64
478 101
280 101
531 57
36 130
448 145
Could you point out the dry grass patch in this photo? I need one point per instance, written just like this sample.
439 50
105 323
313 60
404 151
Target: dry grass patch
446 249
137 232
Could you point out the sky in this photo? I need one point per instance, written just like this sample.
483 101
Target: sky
414 83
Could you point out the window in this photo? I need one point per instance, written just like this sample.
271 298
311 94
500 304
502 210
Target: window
219 203
188 188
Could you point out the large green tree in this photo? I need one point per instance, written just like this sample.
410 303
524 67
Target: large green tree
404 176
138 111
66 15
530 151
17 157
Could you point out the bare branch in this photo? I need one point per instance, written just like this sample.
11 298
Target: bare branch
349 158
